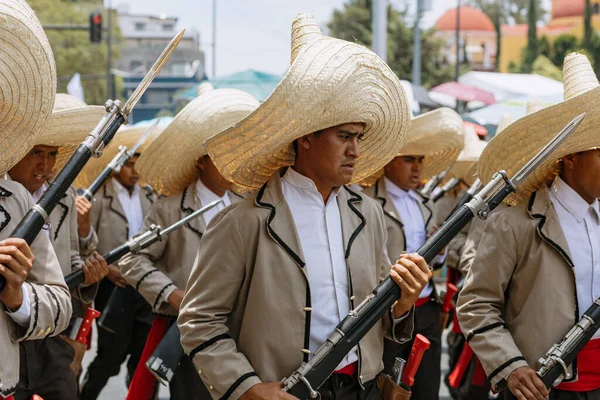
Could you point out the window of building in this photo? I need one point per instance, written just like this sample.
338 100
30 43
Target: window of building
140 26
167 27
596 8
158 96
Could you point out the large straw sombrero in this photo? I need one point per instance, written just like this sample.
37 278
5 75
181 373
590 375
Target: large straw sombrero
465 166
330 82
69 124
27 81
169 164
126 136
438 136
523 139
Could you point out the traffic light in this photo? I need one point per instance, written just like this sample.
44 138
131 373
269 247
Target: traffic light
96 27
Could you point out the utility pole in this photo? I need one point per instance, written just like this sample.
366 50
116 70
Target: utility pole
457 66
416 72
379 27
214 41
110 88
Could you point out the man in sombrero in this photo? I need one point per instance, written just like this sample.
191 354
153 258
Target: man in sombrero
277 271
35 302
533 275
434 142
69 124
177 165
117 214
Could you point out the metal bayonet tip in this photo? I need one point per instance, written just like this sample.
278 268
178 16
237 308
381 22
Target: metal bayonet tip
547 150
158 64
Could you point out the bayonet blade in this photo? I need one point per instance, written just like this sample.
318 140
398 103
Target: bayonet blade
158 64
543 154
143 138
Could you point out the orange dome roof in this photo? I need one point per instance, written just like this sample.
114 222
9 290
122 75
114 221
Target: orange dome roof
471 19
568 8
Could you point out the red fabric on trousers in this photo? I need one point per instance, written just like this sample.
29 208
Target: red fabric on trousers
142 383
479 374
462 365
588 369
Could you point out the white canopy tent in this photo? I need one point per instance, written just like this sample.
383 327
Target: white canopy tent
515 86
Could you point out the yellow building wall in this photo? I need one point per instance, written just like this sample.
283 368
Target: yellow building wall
511 47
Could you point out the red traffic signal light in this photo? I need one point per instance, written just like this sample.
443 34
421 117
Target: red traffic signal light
95 27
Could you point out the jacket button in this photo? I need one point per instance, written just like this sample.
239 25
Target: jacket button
48 330
40 332
199 372
307 309
211 387
306 351
352 298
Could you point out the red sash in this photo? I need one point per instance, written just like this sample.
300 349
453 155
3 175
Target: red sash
588 369
143 382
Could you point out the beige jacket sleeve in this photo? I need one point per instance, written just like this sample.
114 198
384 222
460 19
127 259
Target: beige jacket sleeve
84 293
481 302
399 330
210 297
49 296
140 272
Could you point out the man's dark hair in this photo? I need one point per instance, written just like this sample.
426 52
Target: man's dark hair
295 142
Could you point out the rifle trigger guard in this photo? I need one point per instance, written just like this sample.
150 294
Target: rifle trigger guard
312 392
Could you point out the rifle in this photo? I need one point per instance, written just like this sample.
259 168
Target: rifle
164 360
312 374
555 364
450 185
467 196
116 163
112 316
97 140
138 243
434 182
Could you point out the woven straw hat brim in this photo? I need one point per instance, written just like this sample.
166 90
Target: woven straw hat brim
438 136
470 176
468 157
168 164
523 139
27 81
126 136
331 82
68 128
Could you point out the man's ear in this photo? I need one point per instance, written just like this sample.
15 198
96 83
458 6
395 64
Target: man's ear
304 142
568 161
200 164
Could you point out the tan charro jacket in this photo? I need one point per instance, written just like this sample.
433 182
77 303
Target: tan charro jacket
48 295
442 209
65 240
396 239
245 317
519 296
108 218
167 263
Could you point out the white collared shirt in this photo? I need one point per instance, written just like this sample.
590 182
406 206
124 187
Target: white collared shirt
319 228
208 196
407 204
580 223
132 206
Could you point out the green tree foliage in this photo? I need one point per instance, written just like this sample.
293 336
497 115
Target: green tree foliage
543 66
530 52
73 51
353 23
563 45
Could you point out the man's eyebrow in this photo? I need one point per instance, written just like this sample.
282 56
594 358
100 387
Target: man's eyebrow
345 132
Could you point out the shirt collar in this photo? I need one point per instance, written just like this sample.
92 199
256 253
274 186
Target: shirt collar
37 195
304 183
208 195
572 201
397 192
120 188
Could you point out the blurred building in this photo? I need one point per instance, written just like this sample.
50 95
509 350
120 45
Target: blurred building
144 37
477 38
